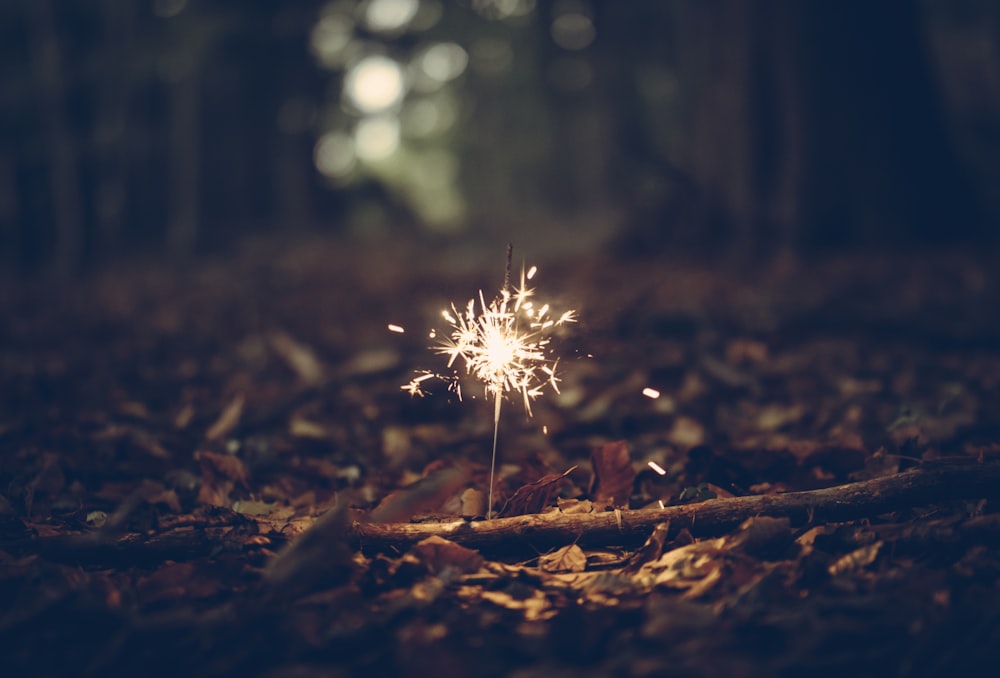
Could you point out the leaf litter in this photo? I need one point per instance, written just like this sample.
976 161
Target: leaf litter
229 465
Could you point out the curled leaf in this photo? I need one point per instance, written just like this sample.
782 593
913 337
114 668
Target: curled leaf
613 475
533 497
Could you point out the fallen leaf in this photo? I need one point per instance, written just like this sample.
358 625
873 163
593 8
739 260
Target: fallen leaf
569 558
613 475
575 506
427 494
228 419
300 358
533 497
651 550
856 560
220 473
473 503
760 533
319 556
695 568
535 607
438 554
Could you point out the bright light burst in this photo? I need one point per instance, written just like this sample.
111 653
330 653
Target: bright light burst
504 344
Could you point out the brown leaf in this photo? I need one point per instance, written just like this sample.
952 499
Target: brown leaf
758 534
613 475
228 419
300 358
473 503
533 497
427 494
178 580
220 472
651 550
535 607
856 560
695 568
438 553
569 558
153 492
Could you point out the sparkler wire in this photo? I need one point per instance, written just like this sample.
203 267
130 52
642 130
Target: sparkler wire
505 344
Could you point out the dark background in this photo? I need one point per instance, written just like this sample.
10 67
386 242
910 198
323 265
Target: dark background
746 128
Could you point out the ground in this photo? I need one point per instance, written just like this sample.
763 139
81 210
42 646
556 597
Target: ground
189 453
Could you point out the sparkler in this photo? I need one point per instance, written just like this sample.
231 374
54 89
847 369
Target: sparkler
504 344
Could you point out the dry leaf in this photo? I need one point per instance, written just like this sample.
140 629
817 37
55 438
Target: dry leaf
425 495
856 560
760 533
473 503
613 475
300 358
536 607
228 419
220 473
696 567
651 550
570 558
438 553
533 497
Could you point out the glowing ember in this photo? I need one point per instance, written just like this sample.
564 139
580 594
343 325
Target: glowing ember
651 393
504 344
396 328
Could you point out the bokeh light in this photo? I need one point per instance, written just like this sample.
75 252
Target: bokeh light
503 9
443 61
427 117
375 84
376 138
573 30
332 40
334 155
389 16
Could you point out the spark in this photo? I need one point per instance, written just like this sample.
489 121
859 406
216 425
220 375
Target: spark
651 393
656 467
505 344
398 329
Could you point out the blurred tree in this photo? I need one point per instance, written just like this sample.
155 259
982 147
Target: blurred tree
817 124
739 125
61 143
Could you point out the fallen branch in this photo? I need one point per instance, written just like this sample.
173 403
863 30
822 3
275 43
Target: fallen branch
928 484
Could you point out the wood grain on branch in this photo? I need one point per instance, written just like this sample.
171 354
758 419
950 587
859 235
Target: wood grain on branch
927 484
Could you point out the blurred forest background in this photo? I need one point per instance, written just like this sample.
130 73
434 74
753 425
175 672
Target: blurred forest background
734 126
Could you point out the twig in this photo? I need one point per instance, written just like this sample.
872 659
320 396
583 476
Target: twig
928 484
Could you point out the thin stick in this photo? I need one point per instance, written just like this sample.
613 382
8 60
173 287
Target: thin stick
506 272
919 486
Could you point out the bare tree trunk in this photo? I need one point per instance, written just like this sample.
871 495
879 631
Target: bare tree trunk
111 129
63 173
816 124
10 237
292 178
185 159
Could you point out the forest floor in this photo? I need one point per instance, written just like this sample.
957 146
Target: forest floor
210 470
